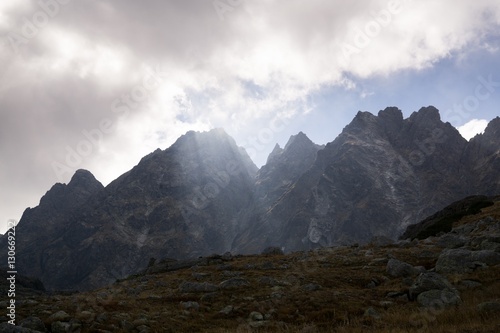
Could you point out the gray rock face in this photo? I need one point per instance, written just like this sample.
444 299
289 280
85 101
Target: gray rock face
284 167
381 174
187 201
43 225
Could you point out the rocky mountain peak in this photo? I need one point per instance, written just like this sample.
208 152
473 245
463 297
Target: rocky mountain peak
82 185
84 179
391 114
298 143
277 151
196 139
493 128
426 115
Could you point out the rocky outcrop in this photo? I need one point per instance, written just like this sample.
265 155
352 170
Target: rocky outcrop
442 221
189 200
46 224
284 167
381 174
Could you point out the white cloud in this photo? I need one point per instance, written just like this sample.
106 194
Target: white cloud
261 62
472 128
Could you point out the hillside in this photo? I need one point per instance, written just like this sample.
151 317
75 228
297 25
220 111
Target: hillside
443 284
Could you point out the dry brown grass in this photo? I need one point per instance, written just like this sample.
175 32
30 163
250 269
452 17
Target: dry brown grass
343 274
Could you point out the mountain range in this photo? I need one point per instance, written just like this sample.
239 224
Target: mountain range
204 195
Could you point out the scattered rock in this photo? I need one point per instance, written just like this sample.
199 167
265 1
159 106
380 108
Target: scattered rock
386 304
8 328
372 313
33 323
126 325
464 261
227 256
429 281
232 273
374 282
267 266
140 322
397 268
490 258
438 298
59 316
489 245
272 251
65 327
469 284
199 276
234 283
196 287
255 316
451 241
381 241
224 267
85 316
311 287
143 329
489 307
227 310
190 305
268 281
209 297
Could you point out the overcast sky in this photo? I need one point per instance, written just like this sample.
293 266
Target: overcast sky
99 84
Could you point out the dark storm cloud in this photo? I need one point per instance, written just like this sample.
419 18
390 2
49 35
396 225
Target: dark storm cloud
62 73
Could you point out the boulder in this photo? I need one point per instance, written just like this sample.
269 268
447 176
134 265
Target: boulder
227 310
490 258
190 305
372 313
489 307
451 241
464 261
33 323
438 298
272 250
429 281
59 316
397 268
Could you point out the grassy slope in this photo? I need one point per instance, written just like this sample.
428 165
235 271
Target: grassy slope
343 274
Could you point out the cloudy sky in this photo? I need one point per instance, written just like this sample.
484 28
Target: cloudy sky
99 84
